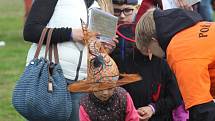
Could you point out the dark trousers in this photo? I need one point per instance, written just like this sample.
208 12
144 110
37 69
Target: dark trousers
203 112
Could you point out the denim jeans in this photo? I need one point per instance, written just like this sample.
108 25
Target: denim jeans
205 9
76 96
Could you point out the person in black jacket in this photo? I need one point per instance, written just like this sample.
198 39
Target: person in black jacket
157 93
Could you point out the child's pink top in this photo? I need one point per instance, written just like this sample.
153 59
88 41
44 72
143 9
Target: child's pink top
131 112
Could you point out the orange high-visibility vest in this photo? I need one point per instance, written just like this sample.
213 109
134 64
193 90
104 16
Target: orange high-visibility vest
191 55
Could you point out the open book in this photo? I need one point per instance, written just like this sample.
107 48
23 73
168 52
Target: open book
103 23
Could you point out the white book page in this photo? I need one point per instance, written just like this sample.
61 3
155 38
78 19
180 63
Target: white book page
102 22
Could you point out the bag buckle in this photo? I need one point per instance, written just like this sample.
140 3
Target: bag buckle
50 84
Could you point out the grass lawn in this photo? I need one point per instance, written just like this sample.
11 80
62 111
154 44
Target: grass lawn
12 56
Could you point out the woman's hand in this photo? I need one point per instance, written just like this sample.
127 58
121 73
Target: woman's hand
145 113
78 36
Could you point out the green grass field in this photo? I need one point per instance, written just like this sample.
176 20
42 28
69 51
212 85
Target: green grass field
12 56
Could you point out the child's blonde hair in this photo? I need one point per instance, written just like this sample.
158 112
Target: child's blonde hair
145 29
106 5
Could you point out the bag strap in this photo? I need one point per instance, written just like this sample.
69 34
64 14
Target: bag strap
50 53
48 42
49 48
39 46
56 56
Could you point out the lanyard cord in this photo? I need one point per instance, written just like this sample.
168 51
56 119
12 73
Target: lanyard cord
121 35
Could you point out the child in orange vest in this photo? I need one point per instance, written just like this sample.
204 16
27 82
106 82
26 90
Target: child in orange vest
189 46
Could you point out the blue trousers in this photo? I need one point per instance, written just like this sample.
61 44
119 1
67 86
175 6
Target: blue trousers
75 104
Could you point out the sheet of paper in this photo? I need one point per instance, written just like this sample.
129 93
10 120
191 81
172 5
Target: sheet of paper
102 22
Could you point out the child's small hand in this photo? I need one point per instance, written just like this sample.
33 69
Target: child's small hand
115 39
145 113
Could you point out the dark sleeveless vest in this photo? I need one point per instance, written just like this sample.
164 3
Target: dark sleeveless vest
114 109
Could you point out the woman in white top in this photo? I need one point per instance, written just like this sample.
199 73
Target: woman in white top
64 16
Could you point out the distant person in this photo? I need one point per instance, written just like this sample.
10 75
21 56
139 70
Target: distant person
164 4
27 4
